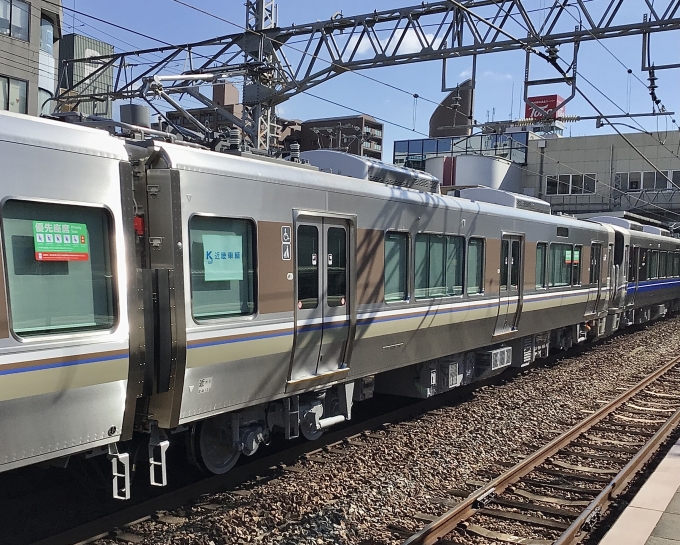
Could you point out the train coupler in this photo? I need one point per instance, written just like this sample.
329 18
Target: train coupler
120 466
158 445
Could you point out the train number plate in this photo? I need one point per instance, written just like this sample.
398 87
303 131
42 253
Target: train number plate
205 385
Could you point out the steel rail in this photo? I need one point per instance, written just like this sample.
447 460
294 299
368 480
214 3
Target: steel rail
445 524
593 512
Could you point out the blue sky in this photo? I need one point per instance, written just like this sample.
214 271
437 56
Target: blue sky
500 75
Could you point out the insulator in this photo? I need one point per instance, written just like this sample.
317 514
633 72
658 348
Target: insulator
295 152
234 139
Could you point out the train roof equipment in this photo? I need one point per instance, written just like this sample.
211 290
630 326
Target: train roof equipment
365 168
502 198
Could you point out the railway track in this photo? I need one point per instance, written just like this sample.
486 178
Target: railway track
117 524
558 494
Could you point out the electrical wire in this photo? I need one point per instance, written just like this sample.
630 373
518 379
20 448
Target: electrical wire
363 75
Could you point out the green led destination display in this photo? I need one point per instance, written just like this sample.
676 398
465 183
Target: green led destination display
59 241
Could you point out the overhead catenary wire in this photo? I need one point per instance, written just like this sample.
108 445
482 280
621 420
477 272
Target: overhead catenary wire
367 77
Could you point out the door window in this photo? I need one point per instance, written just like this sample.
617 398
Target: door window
336 266
308 266
595 255
576 266
505 250
514 264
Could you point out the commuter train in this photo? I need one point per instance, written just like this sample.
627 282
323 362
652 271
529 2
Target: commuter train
150 288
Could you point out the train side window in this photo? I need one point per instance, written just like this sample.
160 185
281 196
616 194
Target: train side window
676 264
541 254
439 265
653 269
59 268
663 259
475 266
396 267
576 265
455 260
222 267
437 284
559 261
595 260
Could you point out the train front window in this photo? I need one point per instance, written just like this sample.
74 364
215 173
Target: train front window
222 267
58 266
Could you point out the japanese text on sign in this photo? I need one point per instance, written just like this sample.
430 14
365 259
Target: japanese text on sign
222 257
58 241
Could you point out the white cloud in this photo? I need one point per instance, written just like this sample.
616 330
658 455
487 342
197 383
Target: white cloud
409 44
496 75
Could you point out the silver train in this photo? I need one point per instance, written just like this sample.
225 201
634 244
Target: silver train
150 288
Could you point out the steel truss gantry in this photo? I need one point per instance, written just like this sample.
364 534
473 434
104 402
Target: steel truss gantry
283 62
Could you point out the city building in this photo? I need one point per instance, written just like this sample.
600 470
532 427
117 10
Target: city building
357 134
606 174
29 46
75 46
576 175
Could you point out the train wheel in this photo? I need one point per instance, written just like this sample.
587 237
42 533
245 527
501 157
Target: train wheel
310 434
211 446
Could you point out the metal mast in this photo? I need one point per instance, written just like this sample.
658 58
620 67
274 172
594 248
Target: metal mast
258 111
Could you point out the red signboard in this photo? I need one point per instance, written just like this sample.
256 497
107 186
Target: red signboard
548 103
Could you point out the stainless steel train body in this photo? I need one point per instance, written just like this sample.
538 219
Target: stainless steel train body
229 296
64 349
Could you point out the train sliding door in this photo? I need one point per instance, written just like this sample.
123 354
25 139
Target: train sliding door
595 279
322 322
510 285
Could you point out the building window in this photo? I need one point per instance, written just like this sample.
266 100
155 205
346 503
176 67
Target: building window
14 19
13 95
378 147
44 102
651 180
571 184
222 267
47 36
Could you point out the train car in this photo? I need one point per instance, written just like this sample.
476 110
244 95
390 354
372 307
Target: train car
650 277
220 298
64 286
303 291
